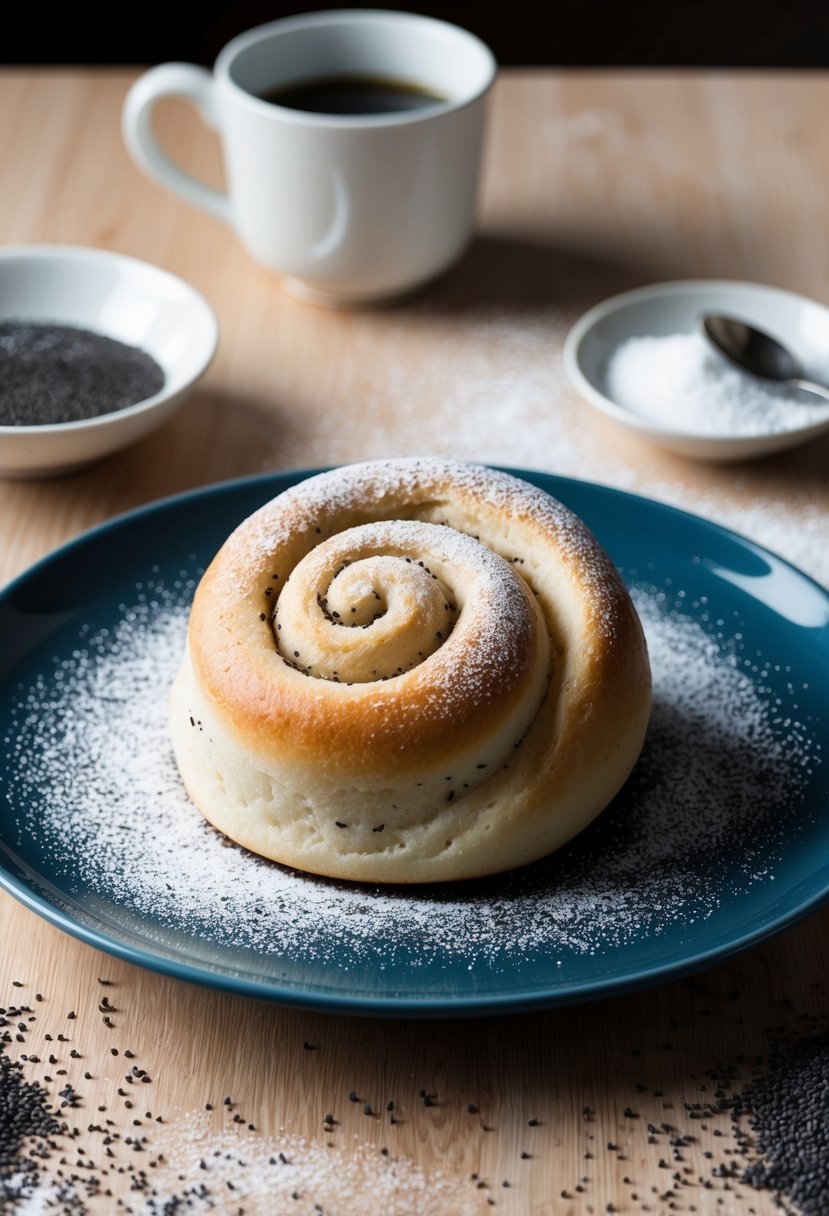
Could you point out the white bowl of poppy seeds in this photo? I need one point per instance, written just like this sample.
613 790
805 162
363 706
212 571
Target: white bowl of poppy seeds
97 349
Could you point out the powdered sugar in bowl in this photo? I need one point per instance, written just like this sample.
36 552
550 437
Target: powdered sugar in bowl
641 358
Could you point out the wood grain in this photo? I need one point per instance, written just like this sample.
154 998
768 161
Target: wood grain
595 182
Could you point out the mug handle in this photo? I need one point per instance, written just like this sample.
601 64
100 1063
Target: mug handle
196 85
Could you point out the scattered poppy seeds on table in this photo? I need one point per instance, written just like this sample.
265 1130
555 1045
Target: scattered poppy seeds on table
783 1151
786 1109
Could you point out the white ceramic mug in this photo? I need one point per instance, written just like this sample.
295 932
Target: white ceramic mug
347 208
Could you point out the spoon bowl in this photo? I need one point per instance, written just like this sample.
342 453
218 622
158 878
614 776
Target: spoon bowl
758 353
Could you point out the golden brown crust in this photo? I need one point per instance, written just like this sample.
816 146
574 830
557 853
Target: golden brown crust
482 752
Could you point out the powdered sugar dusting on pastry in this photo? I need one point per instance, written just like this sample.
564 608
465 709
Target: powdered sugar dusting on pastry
343 490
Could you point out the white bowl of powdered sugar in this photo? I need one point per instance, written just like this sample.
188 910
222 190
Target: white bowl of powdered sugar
642 359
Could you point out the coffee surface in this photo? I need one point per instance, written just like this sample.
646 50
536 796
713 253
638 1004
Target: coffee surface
353 95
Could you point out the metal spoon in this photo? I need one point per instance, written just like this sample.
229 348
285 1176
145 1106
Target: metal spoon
758 353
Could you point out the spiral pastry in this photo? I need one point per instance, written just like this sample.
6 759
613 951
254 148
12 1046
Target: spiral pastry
409 671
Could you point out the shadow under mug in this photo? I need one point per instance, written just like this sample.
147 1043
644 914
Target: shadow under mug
348 208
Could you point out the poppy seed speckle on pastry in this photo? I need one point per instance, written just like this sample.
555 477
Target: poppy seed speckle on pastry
432 646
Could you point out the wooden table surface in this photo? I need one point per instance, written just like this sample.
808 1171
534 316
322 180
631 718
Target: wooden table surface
594 182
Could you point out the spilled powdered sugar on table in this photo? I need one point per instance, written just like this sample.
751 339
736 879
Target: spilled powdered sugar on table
498 393
93 782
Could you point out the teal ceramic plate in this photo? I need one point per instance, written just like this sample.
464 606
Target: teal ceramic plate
719 839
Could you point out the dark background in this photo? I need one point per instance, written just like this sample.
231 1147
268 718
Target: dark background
571 33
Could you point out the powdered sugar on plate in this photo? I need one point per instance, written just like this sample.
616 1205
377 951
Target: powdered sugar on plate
92 782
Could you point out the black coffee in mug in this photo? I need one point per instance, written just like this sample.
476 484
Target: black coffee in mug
353 95
346 210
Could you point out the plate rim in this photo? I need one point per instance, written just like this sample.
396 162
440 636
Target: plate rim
429 1006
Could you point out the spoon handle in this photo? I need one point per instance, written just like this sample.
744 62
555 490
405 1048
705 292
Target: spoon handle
811 386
